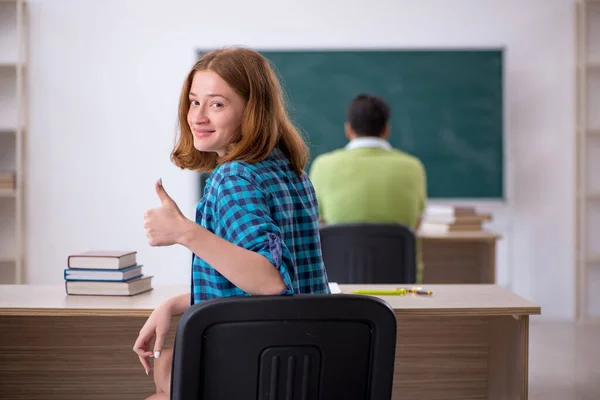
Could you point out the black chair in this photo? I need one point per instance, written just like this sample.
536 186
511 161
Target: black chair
365 253
300 347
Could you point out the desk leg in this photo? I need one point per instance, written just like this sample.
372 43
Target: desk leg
488 262
509 358
76 357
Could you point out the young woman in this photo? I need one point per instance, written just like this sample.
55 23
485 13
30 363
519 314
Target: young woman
256 229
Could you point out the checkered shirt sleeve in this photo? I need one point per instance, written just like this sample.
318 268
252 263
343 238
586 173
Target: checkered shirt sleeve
245 220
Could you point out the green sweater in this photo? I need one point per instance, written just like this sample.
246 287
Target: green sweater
370 184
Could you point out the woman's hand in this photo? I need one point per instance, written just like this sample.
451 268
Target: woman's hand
164 224
156 327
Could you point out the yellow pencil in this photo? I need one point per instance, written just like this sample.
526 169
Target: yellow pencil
392 292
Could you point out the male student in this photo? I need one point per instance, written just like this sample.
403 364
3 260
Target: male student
368 180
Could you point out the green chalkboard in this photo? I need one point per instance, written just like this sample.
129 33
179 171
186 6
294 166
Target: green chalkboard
447 108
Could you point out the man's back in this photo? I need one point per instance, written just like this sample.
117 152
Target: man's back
369 184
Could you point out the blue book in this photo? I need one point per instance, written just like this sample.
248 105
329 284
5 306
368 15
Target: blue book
91 274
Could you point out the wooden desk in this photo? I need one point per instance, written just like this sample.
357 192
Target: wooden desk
464 342
459 257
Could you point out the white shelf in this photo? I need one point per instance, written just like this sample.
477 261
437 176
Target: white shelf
8 97
8 129
5 258
13 50
592 165
9 45
8 225
8 193
13 131
588 160
8 158
592 29
592 83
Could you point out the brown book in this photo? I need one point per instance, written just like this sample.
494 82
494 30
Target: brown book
464 227
464 210
99 288
7 176
102 259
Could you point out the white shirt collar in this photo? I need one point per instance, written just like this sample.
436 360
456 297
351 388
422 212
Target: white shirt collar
370 141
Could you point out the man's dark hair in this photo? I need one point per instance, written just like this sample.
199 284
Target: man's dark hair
368 115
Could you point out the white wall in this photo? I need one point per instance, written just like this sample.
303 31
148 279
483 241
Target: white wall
105 77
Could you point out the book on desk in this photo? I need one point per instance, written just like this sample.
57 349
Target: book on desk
445 218
105 273
7 180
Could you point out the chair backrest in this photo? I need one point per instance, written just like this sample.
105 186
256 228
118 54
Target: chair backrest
369 253
300 347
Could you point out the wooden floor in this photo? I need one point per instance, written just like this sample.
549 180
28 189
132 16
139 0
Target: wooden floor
564 361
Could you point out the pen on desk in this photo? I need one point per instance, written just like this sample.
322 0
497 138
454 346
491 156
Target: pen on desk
421 291
393 292
417 290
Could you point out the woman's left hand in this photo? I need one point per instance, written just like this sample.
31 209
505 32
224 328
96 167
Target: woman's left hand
164 224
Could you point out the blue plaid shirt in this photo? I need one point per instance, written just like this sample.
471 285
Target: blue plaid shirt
266 208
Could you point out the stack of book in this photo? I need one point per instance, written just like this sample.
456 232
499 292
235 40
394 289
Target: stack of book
443 219
7 180
105 273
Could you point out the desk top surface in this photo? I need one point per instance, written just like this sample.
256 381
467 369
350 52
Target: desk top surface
474 299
